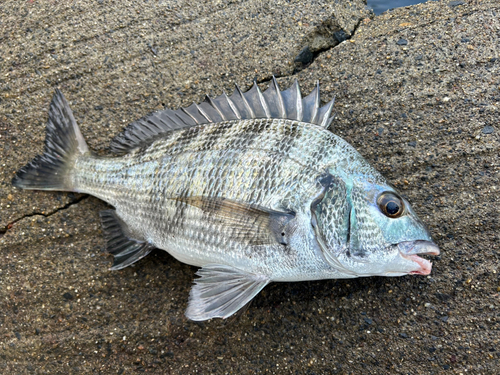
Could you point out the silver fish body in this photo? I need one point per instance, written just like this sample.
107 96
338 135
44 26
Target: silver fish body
271 163
250 199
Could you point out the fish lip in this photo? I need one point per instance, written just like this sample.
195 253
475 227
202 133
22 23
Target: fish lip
411 249
418 247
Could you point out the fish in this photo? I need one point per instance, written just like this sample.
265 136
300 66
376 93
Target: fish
253 188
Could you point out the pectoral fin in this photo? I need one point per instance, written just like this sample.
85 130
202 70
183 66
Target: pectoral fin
246 223
221 291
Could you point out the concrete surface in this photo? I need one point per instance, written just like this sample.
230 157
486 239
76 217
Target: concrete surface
417 93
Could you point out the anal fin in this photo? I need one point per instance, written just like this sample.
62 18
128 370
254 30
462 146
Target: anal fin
221 291
119 242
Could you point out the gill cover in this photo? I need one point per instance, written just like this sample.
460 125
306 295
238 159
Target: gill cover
331 218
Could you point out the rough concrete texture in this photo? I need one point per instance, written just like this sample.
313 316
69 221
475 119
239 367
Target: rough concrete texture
417 92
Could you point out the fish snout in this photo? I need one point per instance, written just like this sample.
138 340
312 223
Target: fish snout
412 249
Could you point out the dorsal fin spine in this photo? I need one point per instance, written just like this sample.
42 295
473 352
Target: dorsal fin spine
329 122
281 104
326 110
233 107
245 102
182 112
298 102
317 103
150 125
214 105
263 102
172 117
189 114
202 112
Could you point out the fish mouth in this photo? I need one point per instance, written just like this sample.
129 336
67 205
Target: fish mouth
412 249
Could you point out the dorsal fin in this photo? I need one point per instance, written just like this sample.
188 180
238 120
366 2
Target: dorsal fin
293 102
275 100
272 103
310 105
241 103
324 116
255 99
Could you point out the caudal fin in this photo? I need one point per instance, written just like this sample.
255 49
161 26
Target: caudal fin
63 143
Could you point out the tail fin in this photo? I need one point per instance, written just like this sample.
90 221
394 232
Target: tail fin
63 143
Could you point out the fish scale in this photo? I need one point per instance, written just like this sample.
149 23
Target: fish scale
252 188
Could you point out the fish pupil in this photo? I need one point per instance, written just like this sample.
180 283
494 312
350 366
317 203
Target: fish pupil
392 208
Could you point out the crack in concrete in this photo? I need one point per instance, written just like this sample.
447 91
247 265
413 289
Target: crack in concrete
5 229
315 55
339 35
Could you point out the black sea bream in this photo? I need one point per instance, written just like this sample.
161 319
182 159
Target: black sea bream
252 188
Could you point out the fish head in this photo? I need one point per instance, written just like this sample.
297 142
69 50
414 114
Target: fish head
366 228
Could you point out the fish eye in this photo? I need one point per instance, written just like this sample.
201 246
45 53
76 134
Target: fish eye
390 204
